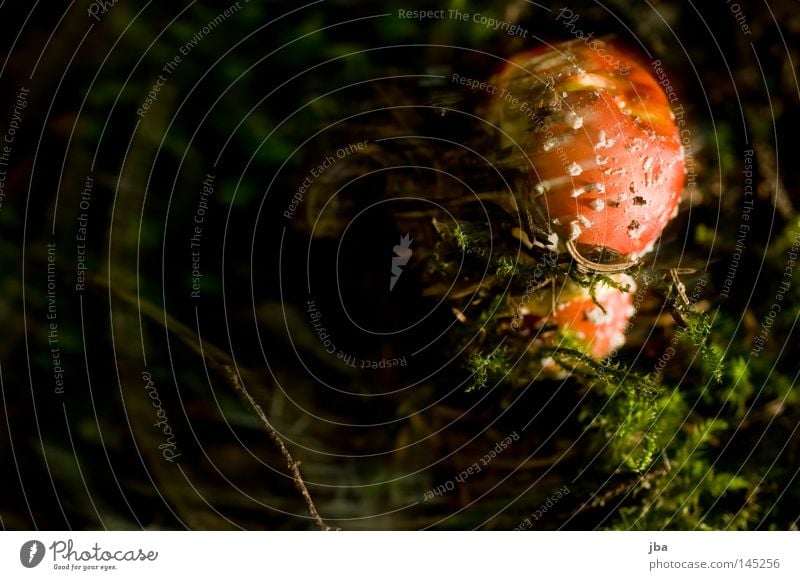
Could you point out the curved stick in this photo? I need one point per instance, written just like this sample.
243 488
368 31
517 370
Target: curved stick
588 264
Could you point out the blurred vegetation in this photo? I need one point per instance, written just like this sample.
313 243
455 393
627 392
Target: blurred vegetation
709 441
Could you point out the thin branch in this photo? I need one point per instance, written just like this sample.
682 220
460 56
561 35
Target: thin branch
222 363
294 466
625 488
591 267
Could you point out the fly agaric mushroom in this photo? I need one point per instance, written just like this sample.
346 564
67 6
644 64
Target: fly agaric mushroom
606 161
600 326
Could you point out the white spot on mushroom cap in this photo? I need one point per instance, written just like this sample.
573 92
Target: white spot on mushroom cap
550 144
598 187
598 204
602 141
596 315
574 230
573 120
541 187
574 169
584 221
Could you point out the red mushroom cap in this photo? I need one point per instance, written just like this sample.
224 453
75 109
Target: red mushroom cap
606 159
578 316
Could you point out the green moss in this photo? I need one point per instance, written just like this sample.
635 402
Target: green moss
487 366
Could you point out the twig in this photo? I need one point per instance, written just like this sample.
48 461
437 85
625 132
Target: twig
591 267
644 481
294 466
680 288
222 363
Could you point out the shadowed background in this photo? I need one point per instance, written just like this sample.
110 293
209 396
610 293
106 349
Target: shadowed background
149 270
